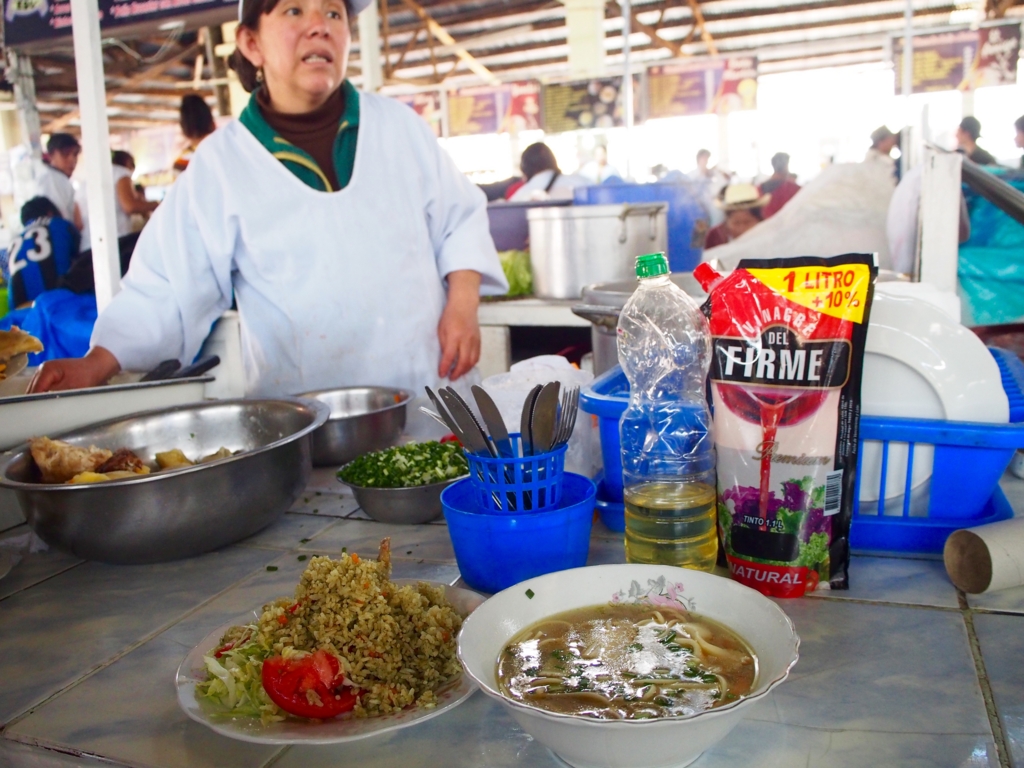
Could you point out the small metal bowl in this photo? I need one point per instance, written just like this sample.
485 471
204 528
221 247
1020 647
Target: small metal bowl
175 513
403 506
362 420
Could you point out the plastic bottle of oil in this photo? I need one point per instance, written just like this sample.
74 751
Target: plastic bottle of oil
668 455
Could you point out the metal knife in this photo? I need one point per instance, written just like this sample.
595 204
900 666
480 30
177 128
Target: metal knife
495 423
443 413
525 440
545 413
473 439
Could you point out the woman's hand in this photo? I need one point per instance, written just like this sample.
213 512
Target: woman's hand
459 329
75 373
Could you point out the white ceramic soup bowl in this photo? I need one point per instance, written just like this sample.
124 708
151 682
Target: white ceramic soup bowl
659 743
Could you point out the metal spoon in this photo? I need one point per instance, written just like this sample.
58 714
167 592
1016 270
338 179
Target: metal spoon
525 440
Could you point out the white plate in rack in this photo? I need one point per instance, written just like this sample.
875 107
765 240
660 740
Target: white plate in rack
920 363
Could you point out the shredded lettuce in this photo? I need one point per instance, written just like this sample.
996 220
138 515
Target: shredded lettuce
234 681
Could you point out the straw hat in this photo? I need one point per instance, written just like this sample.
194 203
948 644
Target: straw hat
740 197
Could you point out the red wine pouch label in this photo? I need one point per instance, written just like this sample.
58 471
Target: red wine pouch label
788 347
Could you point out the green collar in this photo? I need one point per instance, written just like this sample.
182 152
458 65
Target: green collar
297 160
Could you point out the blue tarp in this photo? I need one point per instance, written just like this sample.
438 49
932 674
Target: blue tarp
991 266
60 319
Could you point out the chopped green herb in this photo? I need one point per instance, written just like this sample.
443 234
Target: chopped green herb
731 696
316 511
406 465
271 567
344 550
708 678
301 558
636 647
662 701
303 541
192 435
530 593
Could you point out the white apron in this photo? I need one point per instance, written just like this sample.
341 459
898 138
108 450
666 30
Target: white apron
333 289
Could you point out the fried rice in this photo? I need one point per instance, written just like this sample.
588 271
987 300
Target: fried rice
395 643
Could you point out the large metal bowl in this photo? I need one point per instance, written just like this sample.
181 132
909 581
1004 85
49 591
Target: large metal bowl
403 506
362 420
175 513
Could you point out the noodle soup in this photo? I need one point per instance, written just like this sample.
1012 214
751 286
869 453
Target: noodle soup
626 662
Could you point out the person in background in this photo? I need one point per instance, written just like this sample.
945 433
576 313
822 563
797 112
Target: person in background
742 204
544 180
1018 140
41 254
780 185
197 123
883 142
597 171
708 185
967 134
128 200
54 180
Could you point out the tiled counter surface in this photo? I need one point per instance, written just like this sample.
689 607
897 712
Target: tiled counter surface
900 670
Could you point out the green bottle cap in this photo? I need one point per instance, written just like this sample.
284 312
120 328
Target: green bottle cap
651 265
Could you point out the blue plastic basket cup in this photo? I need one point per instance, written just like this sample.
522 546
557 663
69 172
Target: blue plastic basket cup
522 484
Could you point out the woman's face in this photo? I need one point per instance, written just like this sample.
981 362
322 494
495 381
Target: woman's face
302 47
740 222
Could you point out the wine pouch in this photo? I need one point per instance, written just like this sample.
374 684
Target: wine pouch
787 356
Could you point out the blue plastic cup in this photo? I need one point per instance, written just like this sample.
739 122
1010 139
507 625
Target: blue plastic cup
497 551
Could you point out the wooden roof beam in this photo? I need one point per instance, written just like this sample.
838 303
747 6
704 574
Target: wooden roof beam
652 32
444 37
127 85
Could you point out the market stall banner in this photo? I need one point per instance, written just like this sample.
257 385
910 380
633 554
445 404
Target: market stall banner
494 109
963 59
703 86
29 21
427 105
586 104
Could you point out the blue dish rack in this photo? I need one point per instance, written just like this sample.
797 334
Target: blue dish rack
963 491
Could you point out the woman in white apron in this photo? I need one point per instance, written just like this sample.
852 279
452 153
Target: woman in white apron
363 268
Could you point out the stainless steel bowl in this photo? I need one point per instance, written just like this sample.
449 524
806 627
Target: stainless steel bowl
362 420
175 513
404 506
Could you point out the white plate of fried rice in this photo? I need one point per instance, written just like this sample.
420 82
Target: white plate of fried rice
397 642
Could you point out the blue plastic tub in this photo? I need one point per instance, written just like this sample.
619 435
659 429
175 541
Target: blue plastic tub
964 487
686 219
513 486
612 513
496 551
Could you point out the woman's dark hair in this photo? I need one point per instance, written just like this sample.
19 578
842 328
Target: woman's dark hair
1019 123
36 208
122 158
196 119
252 10
536 158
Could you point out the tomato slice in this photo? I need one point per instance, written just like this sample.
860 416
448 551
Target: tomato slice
286 682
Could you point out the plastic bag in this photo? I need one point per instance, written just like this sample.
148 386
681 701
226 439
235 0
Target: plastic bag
787 356
509 390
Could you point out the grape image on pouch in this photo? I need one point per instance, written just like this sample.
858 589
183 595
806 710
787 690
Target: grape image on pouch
787 355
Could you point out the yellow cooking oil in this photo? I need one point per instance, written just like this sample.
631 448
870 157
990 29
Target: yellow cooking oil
672 523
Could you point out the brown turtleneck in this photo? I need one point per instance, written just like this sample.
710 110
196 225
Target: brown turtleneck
313 133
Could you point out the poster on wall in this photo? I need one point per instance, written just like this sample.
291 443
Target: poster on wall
585 104
31 21
702 86
962 59
427 105
508 108
472 111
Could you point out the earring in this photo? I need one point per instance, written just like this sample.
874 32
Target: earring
259 75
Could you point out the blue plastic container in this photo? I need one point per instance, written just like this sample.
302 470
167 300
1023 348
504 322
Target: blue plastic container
612 513
964 487
687 220
496 551
513 486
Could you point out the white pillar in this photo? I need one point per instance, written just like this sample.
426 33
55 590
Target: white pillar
940 219
369 48
99 175
907 84
585 22
627 81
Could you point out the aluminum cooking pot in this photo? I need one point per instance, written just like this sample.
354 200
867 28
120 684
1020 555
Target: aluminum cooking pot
577 245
